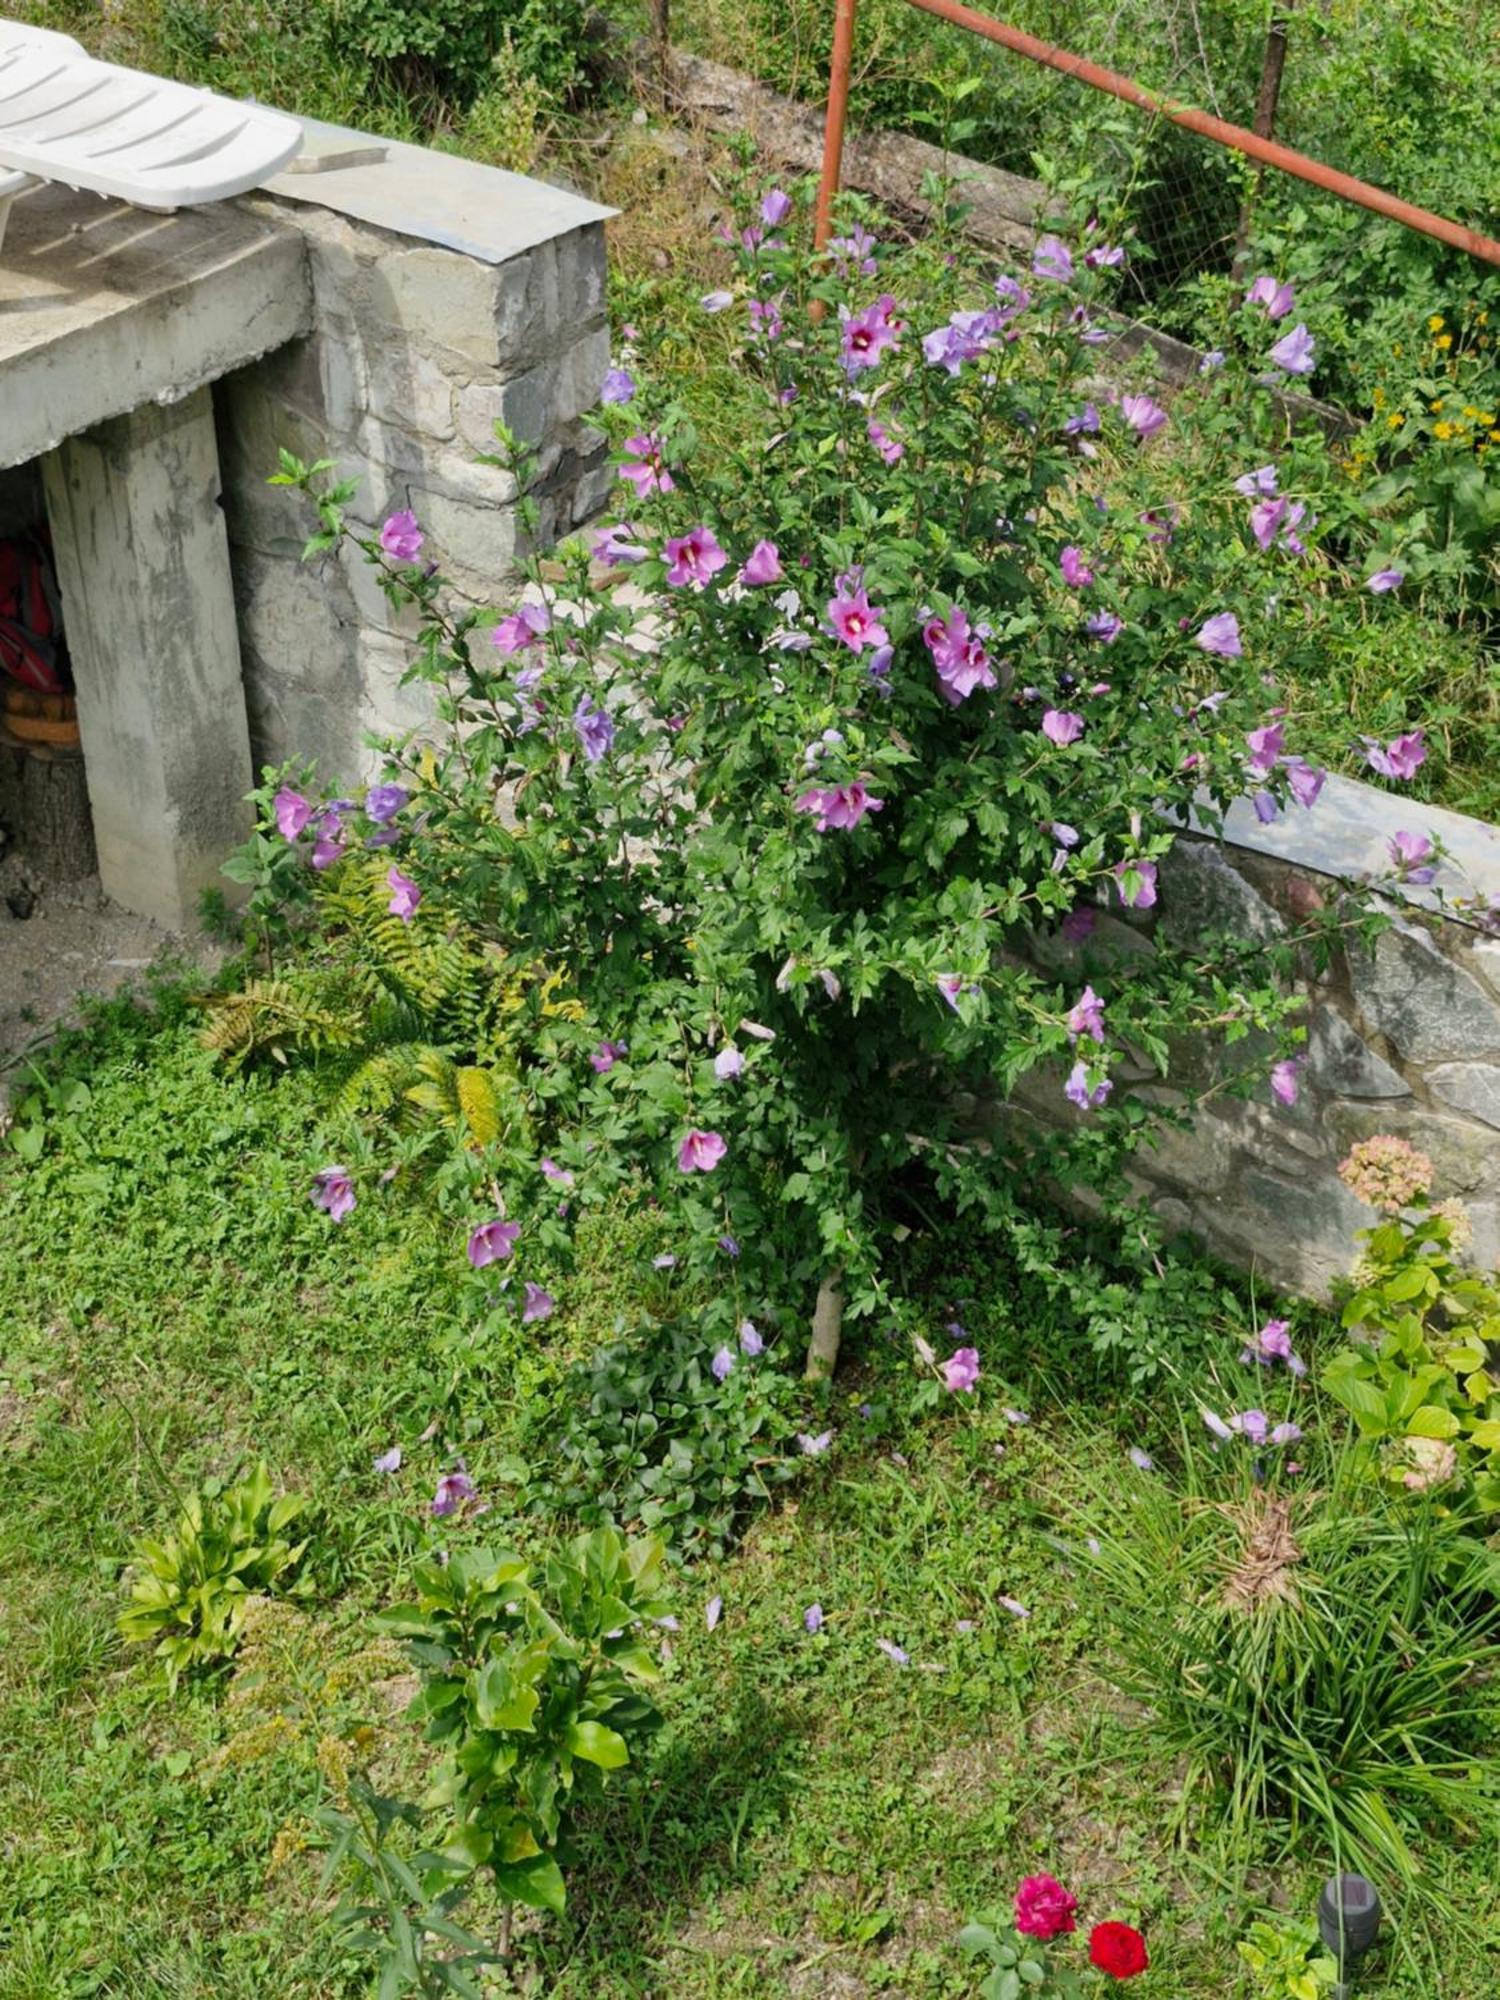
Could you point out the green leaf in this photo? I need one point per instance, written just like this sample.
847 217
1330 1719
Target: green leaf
1433 1422
597 1745
539 1884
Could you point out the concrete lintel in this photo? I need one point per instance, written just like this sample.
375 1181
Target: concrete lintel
104 309
143 560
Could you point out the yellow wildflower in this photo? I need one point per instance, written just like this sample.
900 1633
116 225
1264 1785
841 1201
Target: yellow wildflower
1394 423
1444 341
1435 324
1443 431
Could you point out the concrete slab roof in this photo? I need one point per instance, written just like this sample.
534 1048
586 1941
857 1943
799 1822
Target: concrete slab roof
432 197
104 308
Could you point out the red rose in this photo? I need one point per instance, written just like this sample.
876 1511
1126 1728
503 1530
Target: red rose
1117 1950
1044 1909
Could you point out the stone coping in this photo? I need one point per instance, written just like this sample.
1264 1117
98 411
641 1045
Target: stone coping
438 198
1346 833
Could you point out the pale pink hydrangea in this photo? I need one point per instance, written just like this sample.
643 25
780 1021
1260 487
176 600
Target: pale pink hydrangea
1387 1172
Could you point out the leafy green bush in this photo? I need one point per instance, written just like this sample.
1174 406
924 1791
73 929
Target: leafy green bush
189 1593
1419 1378
449 47
1287 1961
1316 1654
537 1687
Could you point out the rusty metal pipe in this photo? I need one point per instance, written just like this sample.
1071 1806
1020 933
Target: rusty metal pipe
838 118
1457 234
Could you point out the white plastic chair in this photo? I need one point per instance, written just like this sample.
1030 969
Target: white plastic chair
123 134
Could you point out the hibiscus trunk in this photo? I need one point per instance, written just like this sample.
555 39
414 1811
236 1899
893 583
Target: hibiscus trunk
827 1327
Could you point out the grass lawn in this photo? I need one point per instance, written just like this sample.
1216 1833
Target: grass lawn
814 1819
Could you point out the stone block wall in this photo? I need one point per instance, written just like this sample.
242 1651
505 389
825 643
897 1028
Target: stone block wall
416 348
1403 1038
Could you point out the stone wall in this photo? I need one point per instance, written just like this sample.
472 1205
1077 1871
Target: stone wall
1404 1038
445 295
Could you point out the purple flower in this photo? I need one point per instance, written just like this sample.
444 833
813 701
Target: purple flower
1076 573
1263 480
1221 634
840 806
766 322
713 1611
616 546
453 1490
292 813
958 656
693 558
328 844
1061 726
855 249
540 1303
665 1262
1266 517
1212 361
383 802
401 538
647 470
1104 256
1401 758
333 1191
1265 747
1104 625
1252 1424
750 1340
953 986
618 386
1296 352
1015 1416
812 1618
1217 1426
1305 781
1278 299
1144 416
730 1245
1137 884
1141 1460
728 1063
1053 259
389 1461
491 1242
1162 521
1078 926
700 1152
1086 1016
867 335
1386 579
722 1365
1284 1079
556 1173
1077 1091
1267 807
961 1370
889 448
1086 419
1286 1434
1411 856
855 620
522 628
1014 1606
716 302
595 729
894 1652
814 1447
405 895
762 565
966 336
775 207
604 1059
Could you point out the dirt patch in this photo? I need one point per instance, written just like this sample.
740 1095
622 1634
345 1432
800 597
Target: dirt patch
73 941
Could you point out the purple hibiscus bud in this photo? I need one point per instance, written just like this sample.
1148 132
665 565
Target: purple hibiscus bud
405 895
728 1063
1284 1079
1267 807
491 1242
1144 416
540 1303
775 207
1384 580
292 813
751 1342
730 1245
1221 634
1217 1426
333 1192
762 565
1296 352
401 538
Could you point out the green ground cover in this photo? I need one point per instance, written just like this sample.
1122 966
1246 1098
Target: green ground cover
813 1819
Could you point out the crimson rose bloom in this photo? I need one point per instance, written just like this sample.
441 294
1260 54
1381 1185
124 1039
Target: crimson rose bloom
1117 1950
1044 1909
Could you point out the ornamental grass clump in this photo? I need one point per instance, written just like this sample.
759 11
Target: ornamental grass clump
1319 1658
837 812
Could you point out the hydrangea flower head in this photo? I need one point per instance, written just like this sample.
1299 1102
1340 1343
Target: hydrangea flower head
1387 1172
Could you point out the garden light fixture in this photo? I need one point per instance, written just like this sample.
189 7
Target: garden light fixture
1349 1916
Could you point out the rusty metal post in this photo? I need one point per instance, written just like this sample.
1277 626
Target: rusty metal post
838 117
